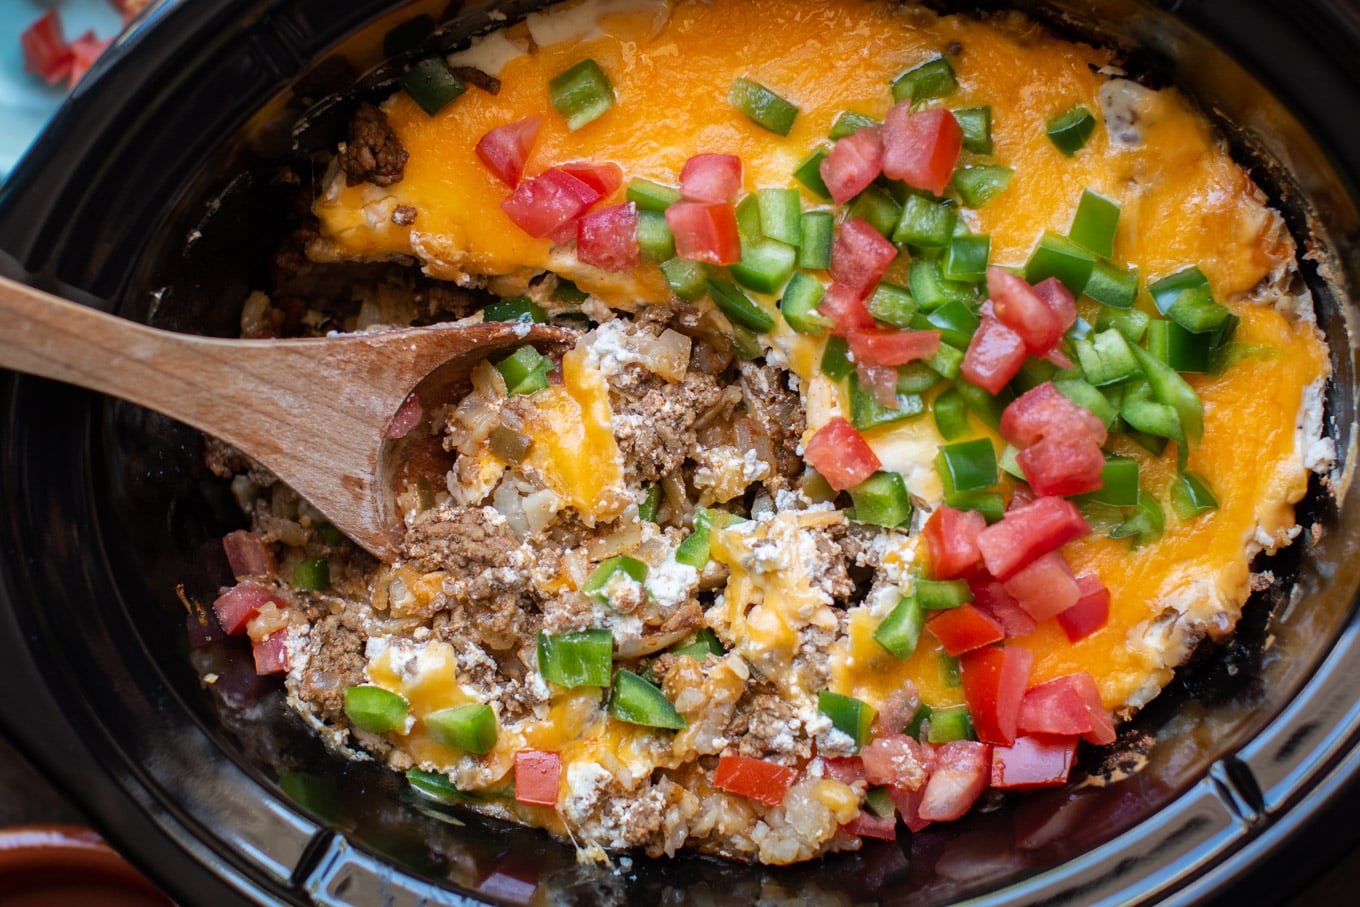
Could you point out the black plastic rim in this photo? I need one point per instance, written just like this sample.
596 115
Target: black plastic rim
102 709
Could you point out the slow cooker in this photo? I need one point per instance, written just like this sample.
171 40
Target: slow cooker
151 194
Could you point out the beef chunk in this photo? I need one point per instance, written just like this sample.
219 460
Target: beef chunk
777 412
336 662
373 154
654 419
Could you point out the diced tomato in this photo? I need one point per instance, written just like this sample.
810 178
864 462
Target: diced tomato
84 51
860 256
757 779
964 629
853 163
896 759
271 653
1022 310
991 598
1028 532
842 456
604 178
994 684
408 417
1057 707
845 307
881 380
505 149
203 629
607 238
1062 466
908 803
1069 704
994 355
922 148
962 770
538 777
46 53
1045 586
1090 613
236 606
951 538
1059 299
705 232
845 769
711 178
893 347
1033 761
897 710
868 825
248 555
1044 411
549 202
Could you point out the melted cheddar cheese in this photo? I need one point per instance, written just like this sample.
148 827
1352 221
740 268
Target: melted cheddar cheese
1184 202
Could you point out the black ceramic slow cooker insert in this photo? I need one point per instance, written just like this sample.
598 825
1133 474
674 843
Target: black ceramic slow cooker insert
151 194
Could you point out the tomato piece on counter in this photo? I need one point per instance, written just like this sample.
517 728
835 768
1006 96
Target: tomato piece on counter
922 148
853 163
549 202
1062 466
711 178
757 779
964 629
893 348
1033 762
1068 705
991 597
248 554
961 772
860 256
1028 532
845 307
1043 411
236 606
951 538
538 777
271 653
46 53
867 825
505 150
1090 613
607 238
84 51
841 455
705 232
994 355
1045 586
994 684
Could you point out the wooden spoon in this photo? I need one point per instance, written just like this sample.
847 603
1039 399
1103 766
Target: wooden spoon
316 411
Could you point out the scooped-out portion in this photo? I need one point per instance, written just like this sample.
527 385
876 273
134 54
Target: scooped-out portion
937 384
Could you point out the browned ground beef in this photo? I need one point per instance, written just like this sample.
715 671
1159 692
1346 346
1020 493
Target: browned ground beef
373 154
777 413
654 419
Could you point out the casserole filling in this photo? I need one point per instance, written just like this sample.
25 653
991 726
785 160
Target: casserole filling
936 386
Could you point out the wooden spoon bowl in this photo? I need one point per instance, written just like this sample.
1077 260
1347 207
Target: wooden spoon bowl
317 412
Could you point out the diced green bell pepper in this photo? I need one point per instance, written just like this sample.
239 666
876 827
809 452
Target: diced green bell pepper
471 727
636 701
579 659
852 717
882 500
581 94
373 709
900 631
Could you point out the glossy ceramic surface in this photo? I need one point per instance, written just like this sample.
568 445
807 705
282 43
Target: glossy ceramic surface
104 509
